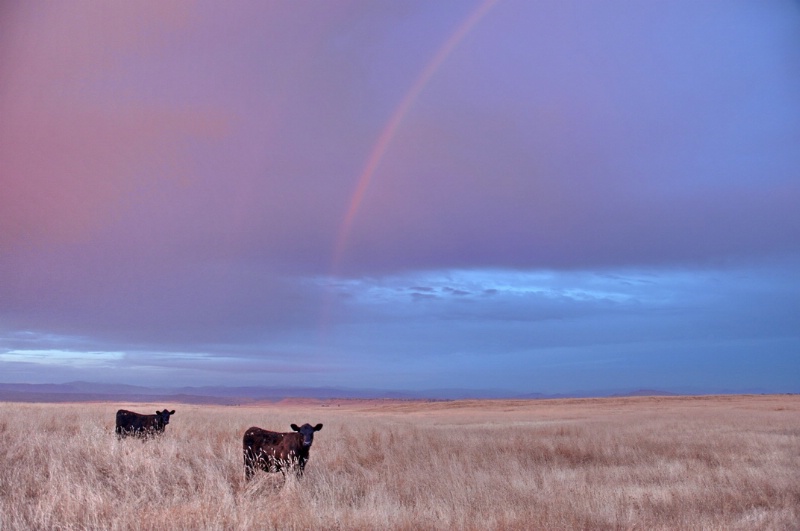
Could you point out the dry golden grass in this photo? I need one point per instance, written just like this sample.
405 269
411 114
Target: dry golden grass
635 463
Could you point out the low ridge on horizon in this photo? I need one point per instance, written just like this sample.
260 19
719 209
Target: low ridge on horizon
80 391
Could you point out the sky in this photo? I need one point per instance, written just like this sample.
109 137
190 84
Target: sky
512 195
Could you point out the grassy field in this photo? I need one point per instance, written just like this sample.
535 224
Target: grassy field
730 462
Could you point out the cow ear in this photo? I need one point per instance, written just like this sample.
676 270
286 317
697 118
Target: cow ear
158 412
295 428
318 427
172 412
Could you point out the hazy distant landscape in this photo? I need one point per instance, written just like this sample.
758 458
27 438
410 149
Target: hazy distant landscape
723 462
221 395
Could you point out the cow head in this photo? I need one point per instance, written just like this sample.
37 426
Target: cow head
307 431
162 417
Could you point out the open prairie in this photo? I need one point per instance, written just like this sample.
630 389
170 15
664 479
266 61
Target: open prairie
727 462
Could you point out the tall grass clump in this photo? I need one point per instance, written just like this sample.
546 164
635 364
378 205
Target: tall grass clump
678 463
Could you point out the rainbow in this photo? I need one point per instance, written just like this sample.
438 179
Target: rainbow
389 130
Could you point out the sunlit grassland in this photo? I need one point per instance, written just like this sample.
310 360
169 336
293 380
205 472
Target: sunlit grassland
644 463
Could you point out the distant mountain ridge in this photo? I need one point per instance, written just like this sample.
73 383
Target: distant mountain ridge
222 395
92 392
646 392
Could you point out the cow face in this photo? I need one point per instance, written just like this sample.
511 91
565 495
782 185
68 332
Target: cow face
307 431
162 417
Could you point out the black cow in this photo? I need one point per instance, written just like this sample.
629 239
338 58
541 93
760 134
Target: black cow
277 452
130 423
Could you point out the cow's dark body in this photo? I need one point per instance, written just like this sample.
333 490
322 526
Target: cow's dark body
130 423
277 452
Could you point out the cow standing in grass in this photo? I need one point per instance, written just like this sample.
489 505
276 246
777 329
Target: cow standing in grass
277 452
130 423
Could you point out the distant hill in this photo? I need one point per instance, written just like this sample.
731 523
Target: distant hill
645 392
105 392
